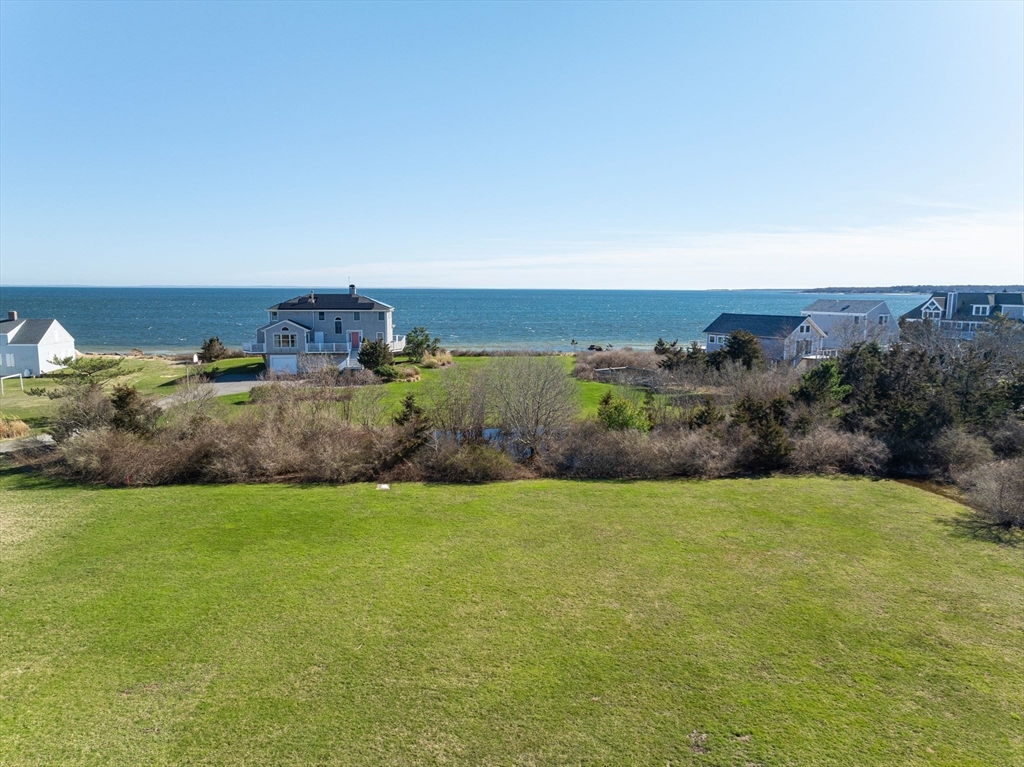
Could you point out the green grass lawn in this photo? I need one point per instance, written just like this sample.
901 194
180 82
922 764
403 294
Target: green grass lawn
590 392
781 621
151 376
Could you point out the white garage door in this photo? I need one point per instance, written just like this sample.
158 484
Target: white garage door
283 363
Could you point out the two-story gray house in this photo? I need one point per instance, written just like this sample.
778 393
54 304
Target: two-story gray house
331 324
960 315
847 322
783 338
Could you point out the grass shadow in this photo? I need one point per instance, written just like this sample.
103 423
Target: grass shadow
968 526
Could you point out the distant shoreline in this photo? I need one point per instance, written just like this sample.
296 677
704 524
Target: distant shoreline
923 289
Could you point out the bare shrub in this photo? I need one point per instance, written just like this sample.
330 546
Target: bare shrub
590 451
697 453
318 370
300 443
370 406
534 400
827 451
357 377
116 457
996 491
588 362
456 402
13 427
82 407
448 460
955 450
760 384
1008 437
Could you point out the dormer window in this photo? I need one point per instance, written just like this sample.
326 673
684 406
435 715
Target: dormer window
981 310
932 314
273 315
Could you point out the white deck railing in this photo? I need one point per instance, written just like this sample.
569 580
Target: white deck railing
254 347
398 344
328 348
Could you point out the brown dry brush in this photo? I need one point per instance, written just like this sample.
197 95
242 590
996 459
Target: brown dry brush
996 492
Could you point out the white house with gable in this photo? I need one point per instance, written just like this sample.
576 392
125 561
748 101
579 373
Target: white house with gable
29 346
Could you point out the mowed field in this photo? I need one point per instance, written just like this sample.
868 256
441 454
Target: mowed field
782 621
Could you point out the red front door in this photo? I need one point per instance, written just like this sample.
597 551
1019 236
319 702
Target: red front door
353 336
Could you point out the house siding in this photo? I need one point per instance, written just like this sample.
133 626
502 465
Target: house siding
842 329
368 324
35 358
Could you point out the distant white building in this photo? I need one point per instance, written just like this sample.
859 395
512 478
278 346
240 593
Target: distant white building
847 322
28 346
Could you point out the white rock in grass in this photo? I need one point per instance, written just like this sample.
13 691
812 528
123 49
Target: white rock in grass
383 487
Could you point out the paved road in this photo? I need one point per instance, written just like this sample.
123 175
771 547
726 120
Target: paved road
12 445
226 384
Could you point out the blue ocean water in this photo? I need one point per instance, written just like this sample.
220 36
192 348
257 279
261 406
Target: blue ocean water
159 320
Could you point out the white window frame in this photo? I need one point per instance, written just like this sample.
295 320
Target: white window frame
883 319
355 316
980 310
286 341
382 316
339 327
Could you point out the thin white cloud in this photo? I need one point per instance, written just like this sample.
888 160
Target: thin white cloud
951 249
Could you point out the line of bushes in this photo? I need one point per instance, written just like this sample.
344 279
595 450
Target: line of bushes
908 411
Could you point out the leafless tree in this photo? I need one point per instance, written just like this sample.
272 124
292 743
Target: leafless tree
370 406
456 402
533 400
848 331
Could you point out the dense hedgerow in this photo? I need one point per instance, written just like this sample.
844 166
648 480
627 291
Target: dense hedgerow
928 410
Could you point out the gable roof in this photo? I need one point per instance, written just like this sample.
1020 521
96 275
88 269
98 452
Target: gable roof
965 303
29 332
760 325
837 306
328 302
284 321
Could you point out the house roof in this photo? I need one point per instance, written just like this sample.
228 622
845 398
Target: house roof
284 321
965 303
26 331
836 306
330 302
760 325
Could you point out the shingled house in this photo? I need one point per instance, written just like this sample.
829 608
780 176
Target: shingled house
783 338
330 324
29 346
847 322
962 314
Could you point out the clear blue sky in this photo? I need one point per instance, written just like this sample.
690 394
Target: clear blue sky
511 145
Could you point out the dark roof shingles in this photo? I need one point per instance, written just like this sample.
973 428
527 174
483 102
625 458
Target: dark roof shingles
30 332
760 325
330 302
